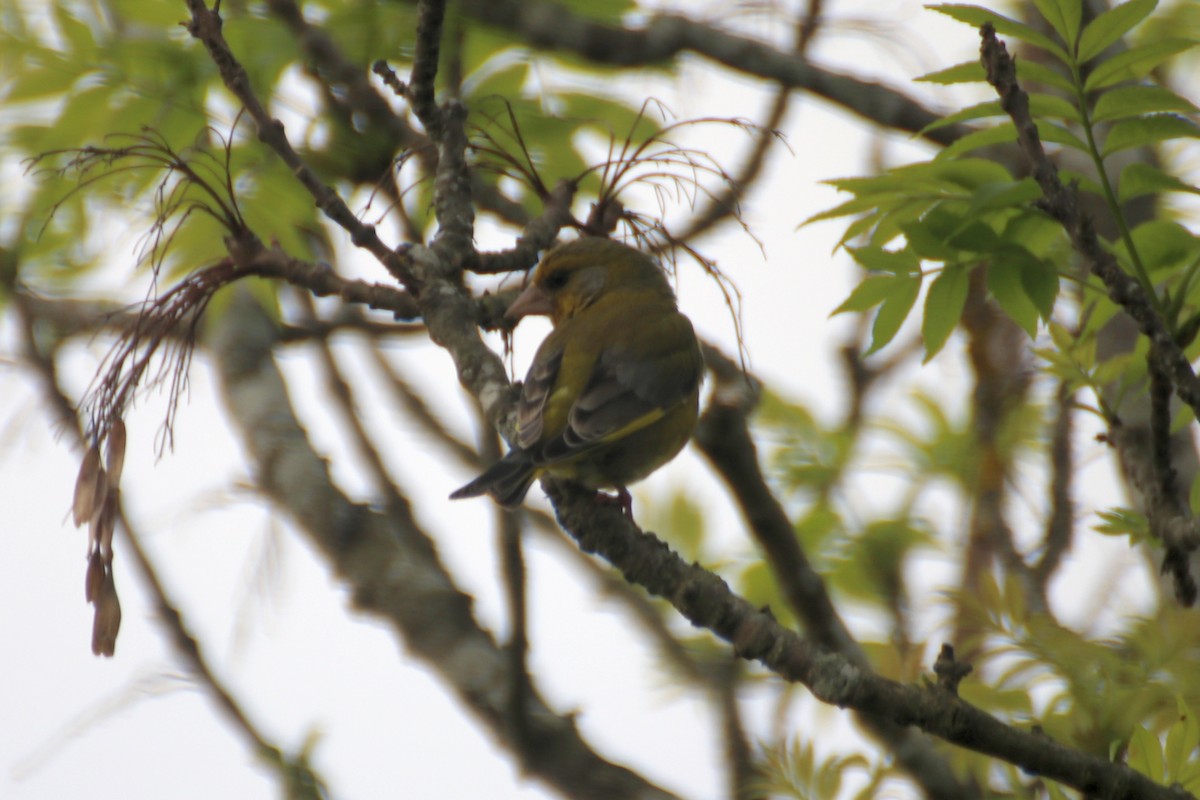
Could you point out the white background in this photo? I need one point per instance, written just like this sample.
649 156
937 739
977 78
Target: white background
276 626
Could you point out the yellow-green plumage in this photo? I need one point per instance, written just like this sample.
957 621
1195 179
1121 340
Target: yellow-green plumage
613 391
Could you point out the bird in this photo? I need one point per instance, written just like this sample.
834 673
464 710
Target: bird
613 392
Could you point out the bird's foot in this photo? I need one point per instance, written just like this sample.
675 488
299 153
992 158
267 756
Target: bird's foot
622 500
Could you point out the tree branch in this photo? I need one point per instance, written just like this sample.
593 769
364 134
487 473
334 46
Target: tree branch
665 36
1062 203
205 25
706 601
395 571
1165 357
723 436
186 647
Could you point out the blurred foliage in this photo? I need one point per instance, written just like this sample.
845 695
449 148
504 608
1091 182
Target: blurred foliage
78 75
919 231
144 73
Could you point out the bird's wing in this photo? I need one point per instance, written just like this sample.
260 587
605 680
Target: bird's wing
638 377
536 391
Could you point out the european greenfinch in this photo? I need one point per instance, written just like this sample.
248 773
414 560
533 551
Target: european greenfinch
613 391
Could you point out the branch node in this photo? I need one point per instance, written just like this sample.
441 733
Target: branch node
949 671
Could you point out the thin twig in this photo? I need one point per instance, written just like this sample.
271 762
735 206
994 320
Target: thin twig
1179 532
1060 522
185 646
205 25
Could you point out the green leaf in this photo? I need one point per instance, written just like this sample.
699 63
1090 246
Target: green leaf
943 307
1057 134
868 294
856 205
609 116
1111 26
966 173
1122 522
1005 26
1142 131
1064 17
941 222
1163 244
77 33
894 310
1084 182
966 72
998 134
1039 279
1145 754
864 225
53 77
876 259
1037 233
1135 62
609 11
1112 370
990 108
159 16
888 224
1140 178
927 239
1004 282
1132 101
1184 417
1051 105
1042 105
993 196
1028 71
83 115
1182 738
507 82
974 237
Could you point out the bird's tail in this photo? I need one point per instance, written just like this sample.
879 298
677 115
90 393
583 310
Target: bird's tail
506 481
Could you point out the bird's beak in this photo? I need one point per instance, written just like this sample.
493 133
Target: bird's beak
530 302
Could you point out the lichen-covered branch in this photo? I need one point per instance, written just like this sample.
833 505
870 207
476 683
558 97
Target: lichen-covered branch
394 569
706 601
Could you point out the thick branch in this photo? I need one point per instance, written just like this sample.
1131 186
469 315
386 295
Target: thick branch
666 36
724 437
706 601
395 571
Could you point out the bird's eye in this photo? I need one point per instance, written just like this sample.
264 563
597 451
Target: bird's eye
555 280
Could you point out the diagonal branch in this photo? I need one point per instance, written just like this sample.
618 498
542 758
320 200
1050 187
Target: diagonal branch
723 436
205 25
1062 203
186 647
666 36
395 571
706 601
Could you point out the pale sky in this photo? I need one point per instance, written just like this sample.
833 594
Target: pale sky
276 625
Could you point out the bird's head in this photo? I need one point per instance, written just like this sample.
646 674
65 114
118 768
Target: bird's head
572 276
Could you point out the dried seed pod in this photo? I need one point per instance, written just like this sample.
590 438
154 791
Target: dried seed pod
94 581
107 621
100 531
114 451
85 502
